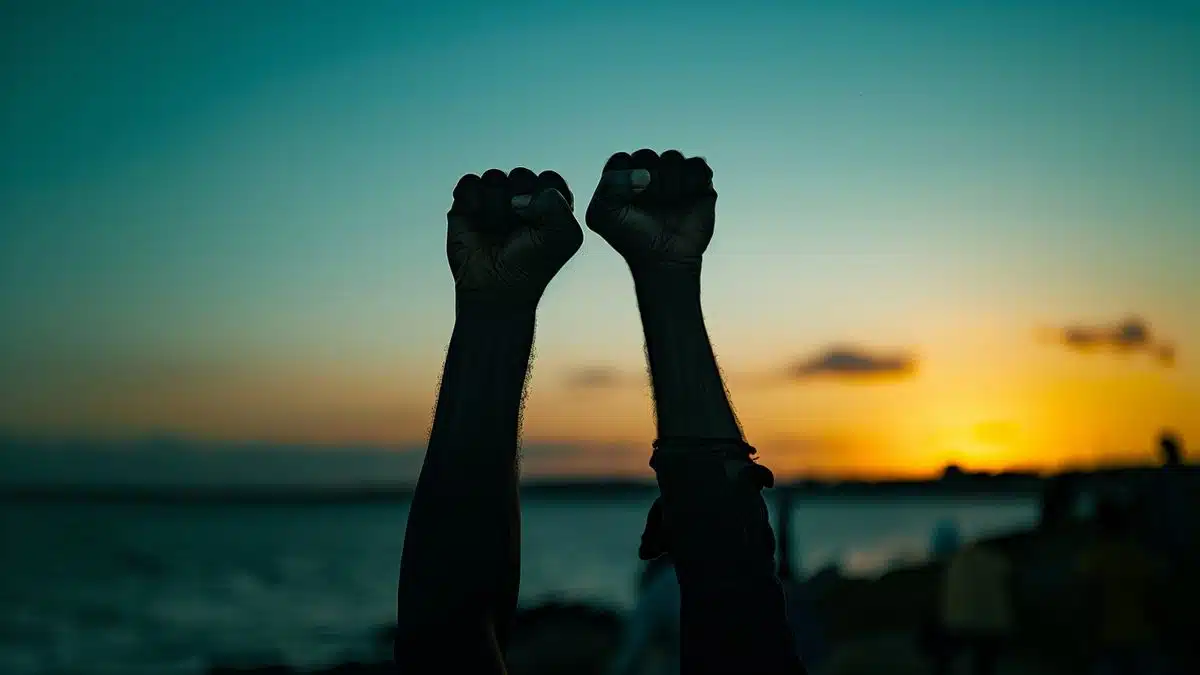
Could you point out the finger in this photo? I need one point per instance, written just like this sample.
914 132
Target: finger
548 209
460 221
697 177
678 181
466 206
669 183
543 202
620 182
618 188
466 195
522 185
619 162
495 204
552 180
645 159
554 221
527 188
551 234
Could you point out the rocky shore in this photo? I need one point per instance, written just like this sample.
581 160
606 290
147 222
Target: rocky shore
874 625
547 639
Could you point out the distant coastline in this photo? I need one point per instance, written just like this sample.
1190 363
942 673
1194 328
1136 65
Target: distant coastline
177 471
174 470
992 486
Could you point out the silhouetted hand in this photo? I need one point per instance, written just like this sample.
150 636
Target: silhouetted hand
656 211
508 235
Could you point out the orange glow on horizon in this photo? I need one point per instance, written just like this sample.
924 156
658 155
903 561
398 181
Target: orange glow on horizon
1038 412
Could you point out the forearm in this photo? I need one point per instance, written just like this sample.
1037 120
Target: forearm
476 424
733 613
689 393
460 565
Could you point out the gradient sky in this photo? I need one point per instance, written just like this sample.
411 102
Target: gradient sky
226 220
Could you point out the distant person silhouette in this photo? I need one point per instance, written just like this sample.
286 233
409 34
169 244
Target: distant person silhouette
1171 448
975 609
1171 527
1059 496
800 593
945 540
1121 575
784 507
507 237
654 622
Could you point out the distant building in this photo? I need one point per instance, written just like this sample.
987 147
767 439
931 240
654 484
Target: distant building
953 472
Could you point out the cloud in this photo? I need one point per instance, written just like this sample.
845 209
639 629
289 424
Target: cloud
1132 334
853 363
1165 354
597 377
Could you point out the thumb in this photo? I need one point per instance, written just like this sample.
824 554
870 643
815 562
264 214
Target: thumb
547 208
618 188
550 216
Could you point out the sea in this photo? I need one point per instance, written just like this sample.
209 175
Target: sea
171 589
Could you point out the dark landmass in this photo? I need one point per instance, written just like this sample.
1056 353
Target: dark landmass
952 485
554 637
567 490
170 469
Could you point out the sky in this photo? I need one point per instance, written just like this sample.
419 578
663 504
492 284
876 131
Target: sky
947 232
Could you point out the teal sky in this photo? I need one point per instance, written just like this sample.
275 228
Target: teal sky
197 196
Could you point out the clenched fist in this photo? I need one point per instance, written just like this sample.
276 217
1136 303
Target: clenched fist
508 235
656 211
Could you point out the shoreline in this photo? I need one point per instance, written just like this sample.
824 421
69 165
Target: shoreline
573 490
872 624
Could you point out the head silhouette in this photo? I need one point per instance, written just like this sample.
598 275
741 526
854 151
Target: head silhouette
1171 449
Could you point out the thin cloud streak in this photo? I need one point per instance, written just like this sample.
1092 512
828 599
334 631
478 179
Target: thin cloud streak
601 376
853 363
842 363
1131 334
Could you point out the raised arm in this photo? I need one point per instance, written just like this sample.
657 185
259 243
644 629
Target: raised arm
659 214
460 569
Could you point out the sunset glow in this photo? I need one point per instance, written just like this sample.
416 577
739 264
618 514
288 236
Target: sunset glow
963 238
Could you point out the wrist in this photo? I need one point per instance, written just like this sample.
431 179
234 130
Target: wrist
667 288
494 328
479 308
689 393
486 366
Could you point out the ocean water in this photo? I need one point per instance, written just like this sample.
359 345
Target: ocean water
170 589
